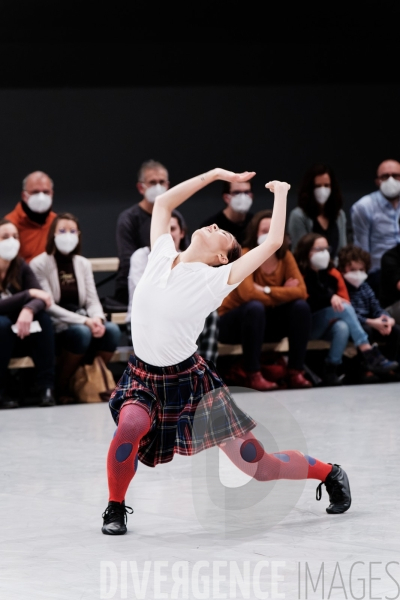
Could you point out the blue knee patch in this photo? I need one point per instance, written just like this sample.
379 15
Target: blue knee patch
282 457
311 461
251 451
123 451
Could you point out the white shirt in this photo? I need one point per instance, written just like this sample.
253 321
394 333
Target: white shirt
170 306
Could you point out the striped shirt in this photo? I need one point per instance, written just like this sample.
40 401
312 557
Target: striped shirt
364 302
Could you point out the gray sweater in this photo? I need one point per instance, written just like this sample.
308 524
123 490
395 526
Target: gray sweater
299 224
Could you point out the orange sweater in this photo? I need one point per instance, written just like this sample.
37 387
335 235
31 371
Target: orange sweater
287 267
32 236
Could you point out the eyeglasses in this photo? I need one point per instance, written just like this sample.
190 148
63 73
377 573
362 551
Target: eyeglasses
329 248
155 182
385 176
236 192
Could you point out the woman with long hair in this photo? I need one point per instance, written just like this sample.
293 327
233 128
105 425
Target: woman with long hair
23 301
166 383
81 328
268 305
320 209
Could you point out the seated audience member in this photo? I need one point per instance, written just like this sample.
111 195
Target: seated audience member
268 305
375 218
208 339
80 324
390 282
133 225
320 209
33 216
333 316
354 264
236 215
22 301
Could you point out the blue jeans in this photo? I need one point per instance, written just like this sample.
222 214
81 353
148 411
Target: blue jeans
78 339
40 346
338 327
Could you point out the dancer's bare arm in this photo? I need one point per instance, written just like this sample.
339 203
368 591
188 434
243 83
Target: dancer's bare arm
175 196
250 261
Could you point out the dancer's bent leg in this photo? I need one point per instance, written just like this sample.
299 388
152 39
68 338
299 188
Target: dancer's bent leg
134 423
249 456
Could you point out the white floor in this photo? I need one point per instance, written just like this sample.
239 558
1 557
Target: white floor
200 531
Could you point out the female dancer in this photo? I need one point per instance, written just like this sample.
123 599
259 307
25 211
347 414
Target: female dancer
166 383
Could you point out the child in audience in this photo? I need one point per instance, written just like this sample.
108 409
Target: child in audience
354 264
333 316
268 305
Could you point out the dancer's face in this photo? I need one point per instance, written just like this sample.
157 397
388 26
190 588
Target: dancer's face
214 242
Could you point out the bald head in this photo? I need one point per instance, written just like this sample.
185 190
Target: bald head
35 179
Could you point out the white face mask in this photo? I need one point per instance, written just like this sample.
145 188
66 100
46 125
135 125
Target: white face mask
9 248
321 194
320 260
66 242
390 188
356 278
262 238
40 202
152 192
241 202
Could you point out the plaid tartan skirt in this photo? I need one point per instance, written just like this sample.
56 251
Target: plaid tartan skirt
189 405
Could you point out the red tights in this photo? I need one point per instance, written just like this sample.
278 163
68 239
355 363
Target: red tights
134 423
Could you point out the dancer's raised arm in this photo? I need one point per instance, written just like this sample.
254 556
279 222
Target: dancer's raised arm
175 196
249 262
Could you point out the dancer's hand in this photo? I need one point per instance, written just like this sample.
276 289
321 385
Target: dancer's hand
231 176
274 186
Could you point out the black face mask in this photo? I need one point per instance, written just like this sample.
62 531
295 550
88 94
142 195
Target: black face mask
39 218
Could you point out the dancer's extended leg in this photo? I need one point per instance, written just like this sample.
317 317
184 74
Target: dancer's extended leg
249 456
134 423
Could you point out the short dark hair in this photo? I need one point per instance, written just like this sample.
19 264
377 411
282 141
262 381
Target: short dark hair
306 199
349 253
11 277
50 244
226 186
303 250
252 230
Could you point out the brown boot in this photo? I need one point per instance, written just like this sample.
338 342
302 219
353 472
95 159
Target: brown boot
296 379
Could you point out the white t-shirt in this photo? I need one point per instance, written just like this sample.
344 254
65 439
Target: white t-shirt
170 306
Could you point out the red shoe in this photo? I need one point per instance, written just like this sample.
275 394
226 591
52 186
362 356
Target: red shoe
257 382
276 372
296 379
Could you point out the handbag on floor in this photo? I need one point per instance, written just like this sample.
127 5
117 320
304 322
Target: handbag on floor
93 382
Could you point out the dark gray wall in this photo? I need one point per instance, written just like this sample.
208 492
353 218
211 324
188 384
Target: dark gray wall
91 142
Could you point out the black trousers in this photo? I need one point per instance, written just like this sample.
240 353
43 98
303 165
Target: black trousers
251 324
